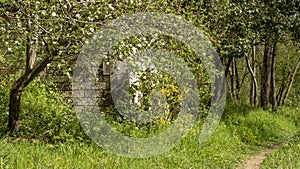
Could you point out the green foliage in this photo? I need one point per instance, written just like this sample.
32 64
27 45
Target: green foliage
216 153
133 129
162 80
260 127
226 148
25 154
234 27
291 114
237 25
4 101
44 115
234 110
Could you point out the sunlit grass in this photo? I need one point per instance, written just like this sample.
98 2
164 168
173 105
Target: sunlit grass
286 157
242 132
222 150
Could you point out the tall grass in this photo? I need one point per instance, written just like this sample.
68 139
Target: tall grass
219 152
51 137
226 148
286 157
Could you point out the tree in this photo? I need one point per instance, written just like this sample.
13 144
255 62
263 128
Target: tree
55 30
276 21
288 68
252 70
49 30
238 26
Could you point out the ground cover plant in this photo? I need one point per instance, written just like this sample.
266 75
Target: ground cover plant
235 139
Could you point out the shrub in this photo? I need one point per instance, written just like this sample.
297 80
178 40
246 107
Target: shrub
44 114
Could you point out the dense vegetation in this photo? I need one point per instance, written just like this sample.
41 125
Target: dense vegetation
257 42
243 131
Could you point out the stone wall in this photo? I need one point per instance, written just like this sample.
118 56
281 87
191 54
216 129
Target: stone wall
102 84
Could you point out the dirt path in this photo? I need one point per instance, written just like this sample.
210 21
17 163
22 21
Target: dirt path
255 161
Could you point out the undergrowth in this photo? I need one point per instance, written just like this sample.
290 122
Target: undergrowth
51 137
44 115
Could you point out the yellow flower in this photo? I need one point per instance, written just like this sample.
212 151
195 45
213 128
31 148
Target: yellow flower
163 90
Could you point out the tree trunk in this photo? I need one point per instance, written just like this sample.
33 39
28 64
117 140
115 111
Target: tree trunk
273 80
237 82
290 83
16 92
253 91
14 105
283 87
32 70
280 93
227 69
254 84
266 77
232 81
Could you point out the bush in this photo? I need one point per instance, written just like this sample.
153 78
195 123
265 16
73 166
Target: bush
44 115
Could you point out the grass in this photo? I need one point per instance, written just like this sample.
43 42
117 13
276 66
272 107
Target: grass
219 152
286 157
52 138
226 148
